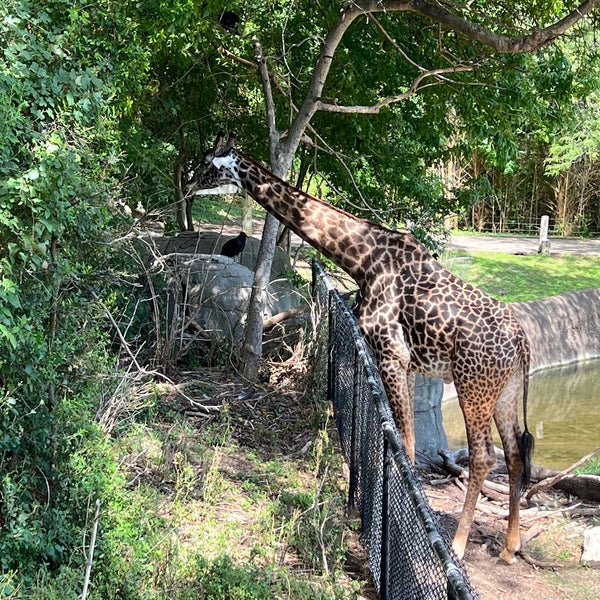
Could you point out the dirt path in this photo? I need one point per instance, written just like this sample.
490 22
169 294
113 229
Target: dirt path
556 544
512 244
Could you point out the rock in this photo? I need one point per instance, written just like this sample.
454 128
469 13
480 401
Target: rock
429 431
210 291
591 548
213 292
210 242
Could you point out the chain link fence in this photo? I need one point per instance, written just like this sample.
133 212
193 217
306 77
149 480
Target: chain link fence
409 558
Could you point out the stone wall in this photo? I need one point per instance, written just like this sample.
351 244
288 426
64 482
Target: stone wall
561 329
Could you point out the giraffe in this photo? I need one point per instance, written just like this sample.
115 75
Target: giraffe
417 317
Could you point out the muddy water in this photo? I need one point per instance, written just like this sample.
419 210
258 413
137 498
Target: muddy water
563 414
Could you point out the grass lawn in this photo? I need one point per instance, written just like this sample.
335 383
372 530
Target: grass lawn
220 209
517 278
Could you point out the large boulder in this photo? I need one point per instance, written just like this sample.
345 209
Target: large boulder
211 242
209 293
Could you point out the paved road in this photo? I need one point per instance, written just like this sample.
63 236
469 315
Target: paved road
511 244
525 245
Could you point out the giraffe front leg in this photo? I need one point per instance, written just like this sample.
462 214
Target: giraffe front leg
400 392
385 336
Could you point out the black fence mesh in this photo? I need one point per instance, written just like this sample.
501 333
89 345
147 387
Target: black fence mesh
409 558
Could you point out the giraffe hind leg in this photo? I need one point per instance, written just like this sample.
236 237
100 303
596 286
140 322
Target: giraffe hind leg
481 459
517 452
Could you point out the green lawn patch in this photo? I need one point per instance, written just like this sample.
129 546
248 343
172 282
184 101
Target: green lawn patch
517 278
217 209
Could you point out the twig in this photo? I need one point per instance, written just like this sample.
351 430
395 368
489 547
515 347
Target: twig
90 558
541 564
117 329
553 513
551 481
531 533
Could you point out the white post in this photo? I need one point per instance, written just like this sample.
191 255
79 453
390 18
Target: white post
544 246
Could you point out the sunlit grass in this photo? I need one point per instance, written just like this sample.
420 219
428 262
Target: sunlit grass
517 278
221 209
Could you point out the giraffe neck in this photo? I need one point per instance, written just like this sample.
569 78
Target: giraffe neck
340 236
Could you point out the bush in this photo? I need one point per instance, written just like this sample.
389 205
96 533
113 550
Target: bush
58 172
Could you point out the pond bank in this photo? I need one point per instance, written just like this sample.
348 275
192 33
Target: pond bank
563 329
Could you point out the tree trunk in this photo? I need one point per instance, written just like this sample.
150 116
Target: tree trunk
180 202
247 206
252 345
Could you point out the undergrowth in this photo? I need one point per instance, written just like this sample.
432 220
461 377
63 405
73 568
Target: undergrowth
212 508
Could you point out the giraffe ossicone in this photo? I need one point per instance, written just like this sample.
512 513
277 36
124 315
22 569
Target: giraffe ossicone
416 316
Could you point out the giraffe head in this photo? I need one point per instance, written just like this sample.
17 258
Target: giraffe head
218 168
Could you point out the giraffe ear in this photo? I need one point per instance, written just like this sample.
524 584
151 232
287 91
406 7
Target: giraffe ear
231 139
219 141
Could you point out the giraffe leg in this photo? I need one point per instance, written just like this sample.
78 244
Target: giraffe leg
481 460
400 392
386 339
507 424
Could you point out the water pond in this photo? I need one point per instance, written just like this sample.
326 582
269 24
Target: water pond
563 414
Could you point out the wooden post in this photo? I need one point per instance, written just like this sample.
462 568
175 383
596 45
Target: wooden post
247 206
544 247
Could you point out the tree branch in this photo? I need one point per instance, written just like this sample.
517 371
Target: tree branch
413 89
239 59
501 43
268 94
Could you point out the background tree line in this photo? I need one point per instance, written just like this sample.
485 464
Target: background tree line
423 112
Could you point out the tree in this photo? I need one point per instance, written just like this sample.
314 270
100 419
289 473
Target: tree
490 28
418 81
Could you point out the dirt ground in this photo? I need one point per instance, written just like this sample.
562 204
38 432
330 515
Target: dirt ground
551 568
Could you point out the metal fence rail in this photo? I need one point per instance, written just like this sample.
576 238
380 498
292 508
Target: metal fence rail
409 557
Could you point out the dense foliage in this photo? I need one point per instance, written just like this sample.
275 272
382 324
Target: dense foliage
59 98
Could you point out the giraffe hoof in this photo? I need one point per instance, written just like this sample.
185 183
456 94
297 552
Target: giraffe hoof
508 557
459 550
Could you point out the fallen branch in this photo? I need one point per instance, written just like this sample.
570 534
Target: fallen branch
545 514
542 564
282 316
552 481
494 491
586 487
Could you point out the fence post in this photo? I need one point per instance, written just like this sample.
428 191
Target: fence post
353 483
330 347
544 246
384 578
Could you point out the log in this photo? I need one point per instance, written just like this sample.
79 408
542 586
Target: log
562 475
282 316
586 487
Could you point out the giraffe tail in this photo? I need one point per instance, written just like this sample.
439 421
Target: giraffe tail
527 441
